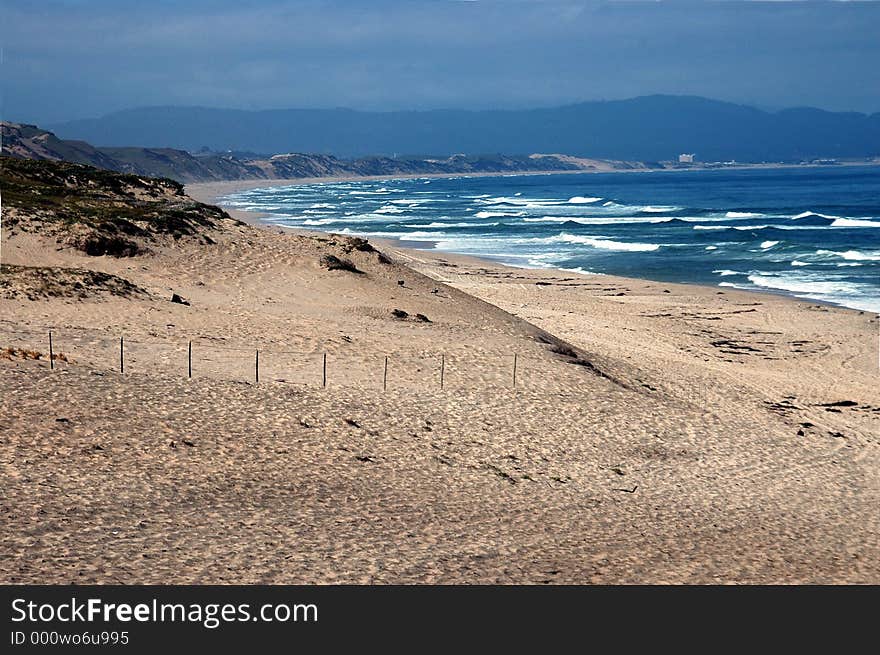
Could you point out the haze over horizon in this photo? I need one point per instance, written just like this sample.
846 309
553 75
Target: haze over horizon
95 58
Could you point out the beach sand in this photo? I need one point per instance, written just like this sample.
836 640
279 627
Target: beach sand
656 433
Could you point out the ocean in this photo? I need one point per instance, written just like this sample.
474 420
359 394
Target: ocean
807 232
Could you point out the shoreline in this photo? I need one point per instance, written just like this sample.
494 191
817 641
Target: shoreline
422 418
211 192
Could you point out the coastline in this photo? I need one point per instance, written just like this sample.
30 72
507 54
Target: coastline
667 432
212 192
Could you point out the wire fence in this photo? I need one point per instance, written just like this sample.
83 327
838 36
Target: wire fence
210 357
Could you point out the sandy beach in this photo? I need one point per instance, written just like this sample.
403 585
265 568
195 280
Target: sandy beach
651 433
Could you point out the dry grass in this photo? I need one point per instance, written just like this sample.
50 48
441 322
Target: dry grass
43 282
11 354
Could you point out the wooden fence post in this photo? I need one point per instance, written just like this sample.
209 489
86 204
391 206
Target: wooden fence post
51 352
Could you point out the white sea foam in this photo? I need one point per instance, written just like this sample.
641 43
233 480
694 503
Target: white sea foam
658 210
711 227
852 255
322 205
808 214
580 270
581 200
768 244
723 272
538 263
389 209
526 203
711 247
851 294
436 224
802 285
415 236
854 222
320 221
485 214
604 243
377 192
799 263
742 215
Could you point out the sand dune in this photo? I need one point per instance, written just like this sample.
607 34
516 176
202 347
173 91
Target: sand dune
656 433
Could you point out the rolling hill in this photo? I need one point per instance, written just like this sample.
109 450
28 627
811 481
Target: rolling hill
649 128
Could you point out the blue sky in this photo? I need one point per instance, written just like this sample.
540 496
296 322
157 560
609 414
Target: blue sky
79 58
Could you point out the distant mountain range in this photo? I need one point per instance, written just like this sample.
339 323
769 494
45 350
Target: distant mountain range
649 128
30 142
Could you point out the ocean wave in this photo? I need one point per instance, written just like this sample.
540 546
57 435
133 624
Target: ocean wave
415 236
765 245
723 272
582 200
853 255
528 203
580 270
462 224
811 214
487 214
854 222
322 205
536 262
389 209
603 243
711 248
743 215
755 228
796 284
800 263
321 221
657 210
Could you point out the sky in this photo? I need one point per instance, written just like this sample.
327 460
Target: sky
63 60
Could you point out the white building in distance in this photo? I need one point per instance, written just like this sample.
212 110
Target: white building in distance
686 159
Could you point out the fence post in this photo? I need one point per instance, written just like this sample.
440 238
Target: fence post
51 353
122 354
385 375
189 360
514 369
324 372
257 367
442 368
